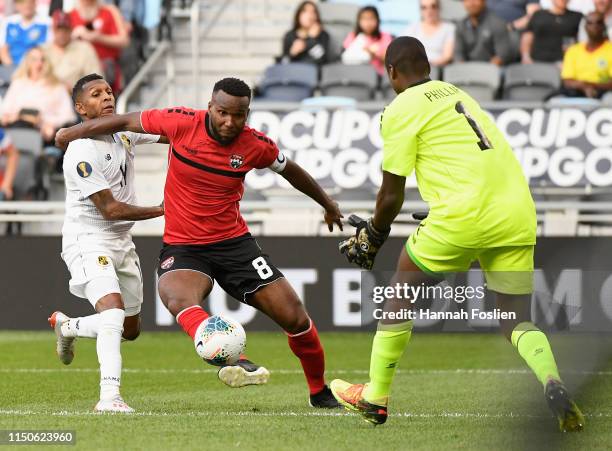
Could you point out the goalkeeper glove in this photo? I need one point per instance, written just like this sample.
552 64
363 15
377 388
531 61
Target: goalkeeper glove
362 248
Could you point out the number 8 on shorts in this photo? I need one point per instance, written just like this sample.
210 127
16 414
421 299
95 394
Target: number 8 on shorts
262 268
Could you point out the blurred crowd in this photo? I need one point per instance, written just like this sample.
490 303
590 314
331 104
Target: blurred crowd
45 47
572 33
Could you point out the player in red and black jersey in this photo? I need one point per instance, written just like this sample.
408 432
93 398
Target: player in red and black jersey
205 237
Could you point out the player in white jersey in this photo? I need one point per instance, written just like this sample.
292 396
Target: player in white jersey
97 245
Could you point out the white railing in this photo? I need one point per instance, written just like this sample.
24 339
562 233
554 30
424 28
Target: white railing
34 211
163 50
302 216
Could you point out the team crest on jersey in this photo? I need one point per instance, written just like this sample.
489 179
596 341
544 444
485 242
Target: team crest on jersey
126 141
103 260
84 169
236 161
167 263
33 34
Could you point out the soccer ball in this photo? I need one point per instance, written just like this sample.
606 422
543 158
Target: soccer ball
220 340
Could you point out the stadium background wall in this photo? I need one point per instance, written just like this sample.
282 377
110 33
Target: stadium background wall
556 147
573 285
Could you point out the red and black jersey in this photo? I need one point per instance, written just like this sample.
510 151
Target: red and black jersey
205 179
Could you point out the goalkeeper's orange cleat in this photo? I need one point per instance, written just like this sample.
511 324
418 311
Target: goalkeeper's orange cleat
351 397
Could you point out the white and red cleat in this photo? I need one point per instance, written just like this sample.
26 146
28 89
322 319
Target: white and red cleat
115 405
65 345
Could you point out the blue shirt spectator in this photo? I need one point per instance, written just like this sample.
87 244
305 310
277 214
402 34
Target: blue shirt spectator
515 12
22 32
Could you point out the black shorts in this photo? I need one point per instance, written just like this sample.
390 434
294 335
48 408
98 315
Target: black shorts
238 265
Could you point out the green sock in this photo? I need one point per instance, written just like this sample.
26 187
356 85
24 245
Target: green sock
387 348
533 346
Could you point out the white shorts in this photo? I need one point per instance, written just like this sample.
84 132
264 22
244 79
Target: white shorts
101 265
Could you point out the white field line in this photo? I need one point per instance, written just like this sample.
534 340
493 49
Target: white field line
458 371
75 413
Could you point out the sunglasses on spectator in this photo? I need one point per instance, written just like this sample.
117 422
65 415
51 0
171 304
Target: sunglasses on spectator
595 22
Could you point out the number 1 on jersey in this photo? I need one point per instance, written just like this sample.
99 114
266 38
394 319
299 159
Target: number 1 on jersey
483 142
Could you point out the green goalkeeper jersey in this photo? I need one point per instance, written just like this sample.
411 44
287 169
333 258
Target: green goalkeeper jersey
465 169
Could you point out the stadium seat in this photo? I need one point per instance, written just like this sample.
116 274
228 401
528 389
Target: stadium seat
452 10
396 15
531 82
338 19
338 13
607 99
328 103
288 82
6 72
29 143
27 140
389 94
357 82
337 33
561 101
480 80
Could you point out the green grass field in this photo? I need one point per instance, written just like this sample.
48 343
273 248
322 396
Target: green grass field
453 391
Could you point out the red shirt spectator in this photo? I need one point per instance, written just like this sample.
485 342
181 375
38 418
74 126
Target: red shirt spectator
104 28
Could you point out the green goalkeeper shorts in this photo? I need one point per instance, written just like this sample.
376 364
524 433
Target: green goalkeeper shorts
508 269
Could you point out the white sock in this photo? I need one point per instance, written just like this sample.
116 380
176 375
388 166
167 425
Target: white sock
85 326
108 346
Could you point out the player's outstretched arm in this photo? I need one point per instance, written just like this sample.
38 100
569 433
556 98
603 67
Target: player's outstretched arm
302 181
100 126
113 210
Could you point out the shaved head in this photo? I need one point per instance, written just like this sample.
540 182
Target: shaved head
407 55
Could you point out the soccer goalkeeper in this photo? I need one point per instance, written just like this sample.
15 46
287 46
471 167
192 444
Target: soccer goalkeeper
480 209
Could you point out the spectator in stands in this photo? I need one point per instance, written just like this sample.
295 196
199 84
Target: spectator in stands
9 158
437 36
584 7
6 8
515 12
549 33
37 98
587 66
367 44
103 27
482 36
42 7
603 7
71 59
134 12
307 42
23 31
